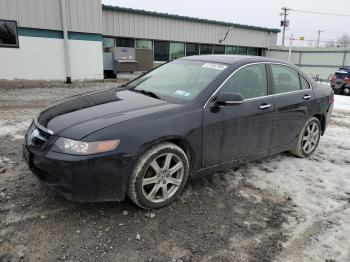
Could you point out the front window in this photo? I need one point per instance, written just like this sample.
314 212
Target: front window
8 33
179 81
249 81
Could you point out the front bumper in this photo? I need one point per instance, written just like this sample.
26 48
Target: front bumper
93 178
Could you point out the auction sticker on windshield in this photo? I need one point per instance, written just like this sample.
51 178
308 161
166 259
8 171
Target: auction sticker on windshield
215 66
182 93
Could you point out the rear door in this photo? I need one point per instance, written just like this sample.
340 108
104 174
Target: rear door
293 101
235 131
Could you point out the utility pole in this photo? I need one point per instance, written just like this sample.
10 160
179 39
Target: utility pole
290 48
318 37
284 22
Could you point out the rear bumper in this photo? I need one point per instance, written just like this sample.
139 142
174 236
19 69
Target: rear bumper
81 178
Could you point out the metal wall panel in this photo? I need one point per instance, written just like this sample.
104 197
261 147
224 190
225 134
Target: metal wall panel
135 25
347 58
321 61
83 15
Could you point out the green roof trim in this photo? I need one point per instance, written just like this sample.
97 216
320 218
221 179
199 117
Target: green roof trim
187 18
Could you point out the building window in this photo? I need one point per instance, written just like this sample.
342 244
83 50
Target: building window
192 49
8 33
241 50
125 42
206 49
161 50
145 44
177 50
107 42
252 51
231 50
219 49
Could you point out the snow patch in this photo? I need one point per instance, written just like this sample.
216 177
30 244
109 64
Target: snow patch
13 128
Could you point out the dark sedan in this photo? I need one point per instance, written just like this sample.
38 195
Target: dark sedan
192 116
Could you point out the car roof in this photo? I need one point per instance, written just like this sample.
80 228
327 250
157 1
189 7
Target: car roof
344 68
232 59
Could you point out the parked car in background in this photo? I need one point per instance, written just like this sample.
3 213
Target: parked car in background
341 81
192 116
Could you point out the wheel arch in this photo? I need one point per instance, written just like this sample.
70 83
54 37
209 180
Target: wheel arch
322 119
180 142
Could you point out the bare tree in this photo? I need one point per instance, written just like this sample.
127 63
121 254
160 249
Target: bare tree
343 41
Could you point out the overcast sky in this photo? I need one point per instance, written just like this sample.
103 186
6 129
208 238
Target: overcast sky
258 12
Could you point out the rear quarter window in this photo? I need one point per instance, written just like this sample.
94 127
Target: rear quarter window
304 84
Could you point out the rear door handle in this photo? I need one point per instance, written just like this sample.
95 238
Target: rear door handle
307 97
264 106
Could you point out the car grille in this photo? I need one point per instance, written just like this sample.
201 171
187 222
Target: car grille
36 137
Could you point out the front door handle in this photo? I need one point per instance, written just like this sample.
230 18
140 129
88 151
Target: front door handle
264 106
307 97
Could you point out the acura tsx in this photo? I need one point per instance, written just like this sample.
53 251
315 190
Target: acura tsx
192 116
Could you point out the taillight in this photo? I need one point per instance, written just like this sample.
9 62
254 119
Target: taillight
331 100
347 80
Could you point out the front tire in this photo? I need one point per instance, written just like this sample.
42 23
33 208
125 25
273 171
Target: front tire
159 176
309 138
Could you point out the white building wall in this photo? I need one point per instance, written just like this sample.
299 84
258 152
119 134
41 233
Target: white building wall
40 58
86 59
321 61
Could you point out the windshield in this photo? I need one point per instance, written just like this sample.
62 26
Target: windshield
178 81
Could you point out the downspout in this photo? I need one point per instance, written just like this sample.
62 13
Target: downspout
268 44
65 39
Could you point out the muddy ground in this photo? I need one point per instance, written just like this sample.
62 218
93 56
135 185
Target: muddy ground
223 217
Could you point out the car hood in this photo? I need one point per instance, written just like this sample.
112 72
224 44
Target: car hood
81 115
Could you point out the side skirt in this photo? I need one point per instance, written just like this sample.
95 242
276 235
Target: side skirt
239 161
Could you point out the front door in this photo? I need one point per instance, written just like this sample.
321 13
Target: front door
234 131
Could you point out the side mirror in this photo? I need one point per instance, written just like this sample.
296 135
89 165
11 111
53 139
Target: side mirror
229 99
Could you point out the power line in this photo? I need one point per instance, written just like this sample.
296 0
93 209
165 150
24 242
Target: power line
319 13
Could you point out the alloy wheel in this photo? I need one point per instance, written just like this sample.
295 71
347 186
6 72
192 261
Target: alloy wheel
162 178
310 137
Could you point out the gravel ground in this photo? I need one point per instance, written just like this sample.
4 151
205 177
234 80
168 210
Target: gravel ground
242 214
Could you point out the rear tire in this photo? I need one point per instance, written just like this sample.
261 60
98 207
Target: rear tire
159 176
309 138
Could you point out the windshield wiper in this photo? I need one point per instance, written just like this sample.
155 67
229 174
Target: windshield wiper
147 93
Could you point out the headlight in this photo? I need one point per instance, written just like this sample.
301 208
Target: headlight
74 147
